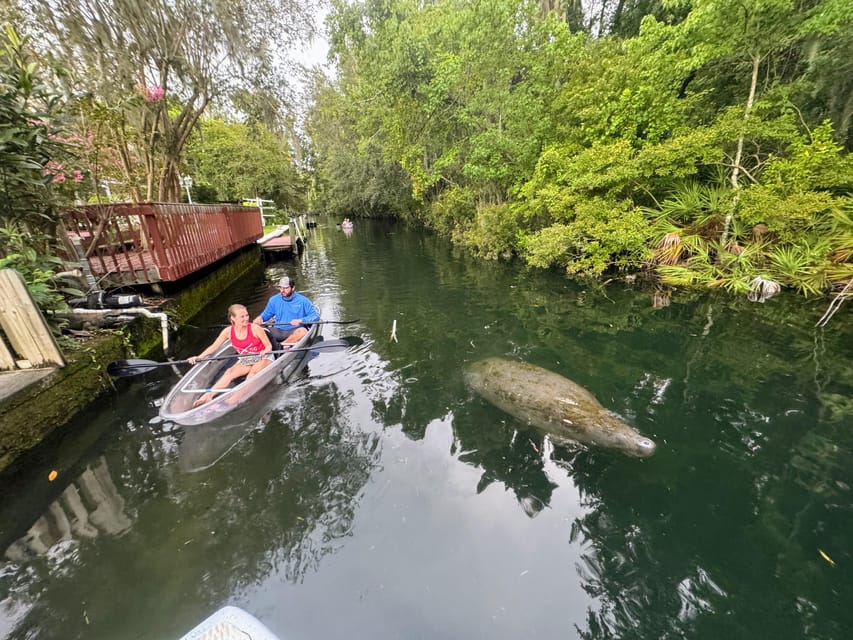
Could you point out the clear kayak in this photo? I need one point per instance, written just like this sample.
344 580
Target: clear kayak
178 405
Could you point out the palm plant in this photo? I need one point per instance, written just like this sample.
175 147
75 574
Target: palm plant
697 205
674 245
677 275
684 224
802 266
683 204
736 271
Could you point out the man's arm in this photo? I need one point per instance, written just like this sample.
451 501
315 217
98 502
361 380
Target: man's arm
267 313
309 312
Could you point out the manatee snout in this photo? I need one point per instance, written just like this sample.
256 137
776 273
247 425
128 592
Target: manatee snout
642 447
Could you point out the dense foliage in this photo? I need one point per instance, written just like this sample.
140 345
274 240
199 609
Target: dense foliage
101 100
33 183
704 140
237 161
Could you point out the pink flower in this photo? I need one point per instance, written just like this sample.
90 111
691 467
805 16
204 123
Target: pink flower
78 176
59 178
151 93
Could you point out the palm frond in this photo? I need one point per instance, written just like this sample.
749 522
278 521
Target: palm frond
801 266
676 276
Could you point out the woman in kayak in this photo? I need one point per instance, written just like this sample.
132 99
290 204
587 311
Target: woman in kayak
250 342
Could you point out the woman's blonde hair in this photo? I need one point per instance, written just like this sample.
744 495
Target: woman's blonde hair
232 311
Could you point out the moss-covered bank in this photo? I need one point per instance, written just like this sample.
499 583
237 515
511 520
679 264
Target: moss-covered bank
30 414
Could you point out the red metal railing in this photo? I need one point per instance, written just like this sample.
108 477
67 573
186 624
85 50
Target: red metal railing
155 242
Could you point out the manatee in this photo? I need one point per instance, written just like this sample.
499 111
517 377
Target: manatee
554 404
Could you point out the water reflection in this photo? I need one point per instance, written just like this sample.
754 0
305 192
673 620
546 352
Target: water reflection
327 460
303 469
203 446
704 533
379 488
88 506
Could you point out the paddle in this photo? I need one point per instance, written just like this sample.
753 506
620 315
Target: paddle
295 326
133 367
287 326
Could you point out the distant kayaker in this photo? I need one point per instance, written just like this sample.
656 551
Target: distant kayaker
250 342
288 308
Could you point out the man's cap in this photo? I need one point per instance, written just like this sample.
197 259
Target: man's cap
286 282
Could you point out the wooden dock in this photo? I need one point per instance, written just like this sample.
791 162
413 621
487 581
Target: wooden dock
148 243
11 382
280 245
286 240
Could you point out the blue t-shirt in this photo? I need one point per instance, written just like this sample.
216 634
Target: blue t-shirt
296 307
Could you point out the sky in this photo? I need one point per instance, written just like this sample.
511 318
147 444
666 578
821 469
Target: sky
310 54
314 53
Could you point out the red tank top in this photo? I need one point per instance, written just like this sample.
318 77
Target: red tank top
249 344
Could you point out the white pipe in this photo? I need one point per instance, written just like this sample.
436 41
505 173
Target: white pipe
78 275
164 319
74 273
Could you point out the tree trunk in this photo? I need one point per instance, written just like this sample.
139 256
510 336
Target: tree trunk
176 135
735 175
547 7
575 16
128 178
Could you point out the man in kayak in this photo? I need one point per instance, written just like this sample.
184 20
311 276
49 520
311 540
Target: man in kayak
251 344
288 308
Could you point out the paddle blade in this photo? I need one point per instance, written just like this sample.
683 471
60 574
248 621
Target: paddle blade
328 346
125 368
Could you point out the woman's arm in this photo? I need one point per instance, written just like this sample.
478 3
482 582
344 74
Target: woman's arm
224 335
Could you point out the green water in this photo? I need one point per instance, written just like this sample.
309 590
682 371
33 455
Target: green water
378 497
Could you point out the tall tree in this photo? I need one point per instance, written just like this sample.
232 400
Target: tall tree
352 174
748 35
159 64
244 161
593 134
827 88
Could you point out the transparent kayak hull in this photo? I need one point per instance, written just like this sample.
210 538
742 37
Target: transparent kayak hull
178 405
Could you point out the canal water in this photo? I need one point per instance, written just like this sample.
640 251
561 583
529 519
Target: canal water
377 496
